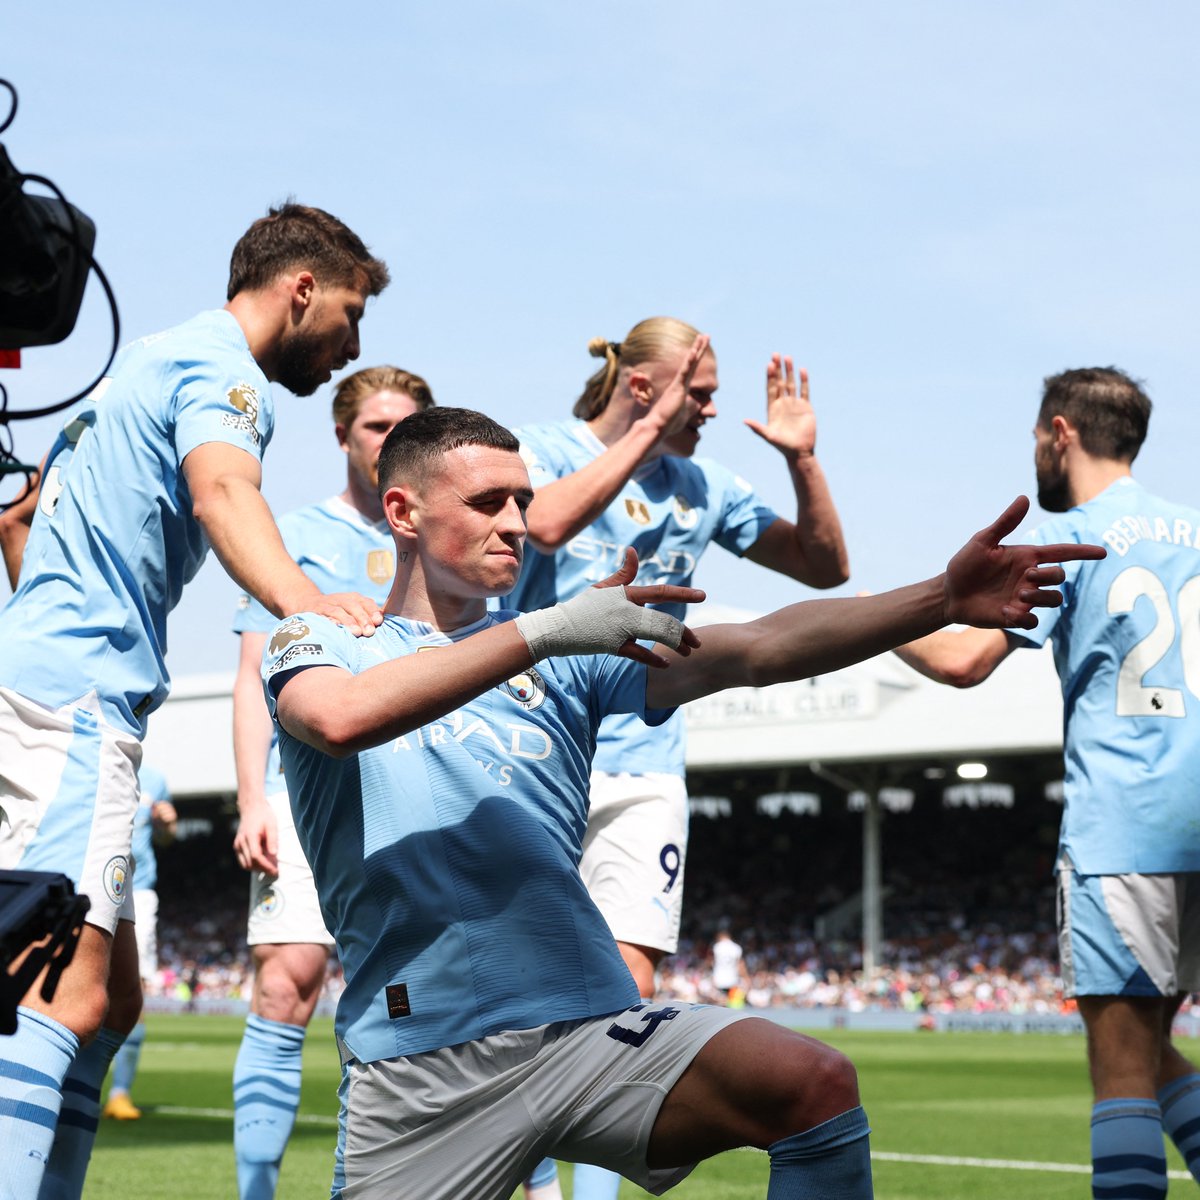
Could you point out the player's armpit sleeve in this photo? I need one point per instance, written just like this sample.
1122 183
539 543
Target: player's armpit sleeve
619 686
745 516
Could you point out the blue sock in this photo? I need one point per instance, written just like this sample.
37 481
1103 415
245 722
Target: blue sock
831 1161
542 1174
76 1132
595 1183
1180 1104
266 1094
1128 1158
33 1063
125 1064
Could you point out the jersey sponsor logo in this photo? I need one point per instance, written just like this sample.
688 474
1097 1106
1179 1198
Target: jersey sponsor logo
292 630
528 689
116 877
685 514
665 565
487 746
381 566
244 398
303 650
637 511
243 602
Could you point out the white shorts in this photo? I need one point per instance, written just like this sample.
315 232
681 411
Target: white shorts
475 1119
68 795
633 856
145 908
1128 935
283 907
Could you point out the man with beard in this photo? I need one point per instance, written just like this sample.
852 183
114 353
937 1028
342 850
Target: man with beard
1125 645
162 460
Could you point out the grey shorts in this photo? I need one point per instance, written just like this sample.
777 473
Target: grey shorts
1128 935
473 1120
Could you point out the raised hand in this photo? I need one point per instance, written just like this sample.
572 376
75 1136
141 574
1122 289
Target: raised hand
610 618
791 425
994 587
672 410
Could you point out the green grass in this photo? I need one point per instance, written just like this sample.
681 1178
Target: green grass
950 1095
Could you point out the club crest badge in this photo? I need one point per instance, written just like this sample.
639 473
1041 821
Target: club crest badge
270 904
685 514
528 689
381 566
637 511
116 877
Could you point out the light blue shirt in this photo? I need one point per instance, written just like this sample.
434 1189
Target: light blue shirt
669 512
1127 648
114 540
154 790
446 860
340 551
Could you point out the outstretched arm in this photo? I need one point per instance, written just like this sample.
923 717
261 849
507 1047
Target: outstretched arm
224 484
812 549
563 508
985 584
341 713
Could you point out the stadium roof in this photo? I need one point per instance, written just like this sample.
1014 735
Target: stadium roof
878 711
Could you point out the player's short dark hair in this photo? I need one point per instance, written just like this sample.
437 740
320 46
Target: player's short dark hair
295 236
419 440
1108 407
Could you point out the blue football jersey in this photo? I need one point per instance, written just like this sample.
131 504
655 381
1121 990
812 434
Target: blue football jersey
1127 647
669 512
446 860
114 540
340 550
153 786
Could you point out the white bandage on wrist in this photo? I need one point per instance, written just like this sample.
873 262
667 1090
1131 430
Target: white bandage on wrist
598 621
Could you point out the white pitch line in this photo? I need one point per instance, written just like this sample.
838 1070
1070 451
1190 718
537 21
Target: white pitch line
929 1160
991 1164
226 1114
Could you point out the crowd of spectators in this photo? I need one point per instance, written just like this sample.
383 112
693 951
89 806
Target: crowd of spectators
968 919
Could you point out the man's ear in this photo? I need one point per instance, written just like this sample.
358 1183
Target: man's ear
400 509
340 432
302 290
641 387
1064 432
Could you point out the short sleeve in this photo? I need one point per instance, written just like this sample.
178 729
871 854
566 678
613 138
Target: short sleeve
744 515
1058 530
301 642
216 403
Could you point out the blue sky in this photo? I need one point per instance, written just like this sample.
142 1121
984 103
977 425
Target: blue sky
931 205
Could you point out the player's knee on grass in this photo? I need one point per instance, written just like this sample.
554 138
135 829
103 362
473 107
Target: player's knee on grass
822 1083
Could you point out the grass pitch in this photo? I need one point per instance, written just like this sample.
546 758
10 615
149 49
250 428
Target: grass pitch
952 1114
